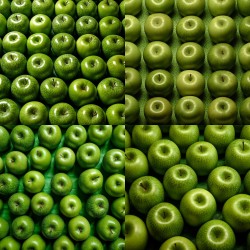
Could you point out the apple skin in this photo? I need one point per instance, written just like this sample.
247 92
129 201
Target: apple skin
153 6
222 29
14 41
244 28
206 239
63 23
203 154
40 23
132 28
4 228
132 55
16 162
133 7
244 56
197 206
99 134
35 242
115 185
33 181
237 155
19 204
246 182
64 159
187 8
132 109
224 182
4 139
114 161
63 242
190 29
97 206
40 158
159 226
86 25
178 180
107 8
245 84
62 43
217 8
137 234
222 83
38 42
243 7
70 206
222 110
244 110
92 242
79 228
118 136
8 184
162 155
75 136
115 114
9 242
220 136
189 110
178 241
221 56
149 190
41 204
43 7
86 8
109 25
235 212
158 27
61 184
5 86
26 224
65 7
18 22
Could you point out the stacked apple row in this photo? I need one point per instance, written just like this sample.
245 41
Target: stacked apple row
62 62
62 188
191 187
222 84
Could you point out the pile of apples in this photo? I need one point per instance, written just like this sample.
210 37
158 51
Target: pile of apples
191 187
193 57
62 189
62 62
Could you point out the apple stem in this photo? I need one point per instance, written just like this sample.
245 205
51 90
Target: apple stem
141 184
190 77
201 148
243 145
221 126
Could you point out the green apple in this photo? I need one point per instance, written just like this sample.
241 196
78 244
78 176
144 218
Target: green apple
133 7
118 208
243 7
90 181
188 8
97 206
86 8
244 110
135 159
190 29
132 28
62 43
41 204
108 8
19 204
110 25
35 242
108 228
244 56
190 83
16 162
62 114
25 88
164 221
8 184
79 228
136 233
158 27
178 241
133 81
52 226
189 110
23 7
40 66
33 181
155 6
66 67
63 242
64 159
145 135
202 156
4 228
113 161
3 28
10 243
91 114
53 90
237 155
45 7
40 158
217 8
75 136
184 135
116 66
224 182
92 242
88 45
148 190
40 23
65 7
61 184
162 155
117 244
4 139
63 23
86 25
22 227
5 8
244 134
49 136
222 110
118 136
88 155
9 112
114 45
18 22
14 41
13 64
244 28
1 170
70 206
115 185
5 86
235 212
197 206
178 180
132 109
220 136
244 84
246 182
215 234
115 114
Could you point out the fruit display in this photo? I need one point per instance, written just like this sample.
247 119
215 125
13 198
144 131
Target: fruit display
187 62
191 189
62 188
62 62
